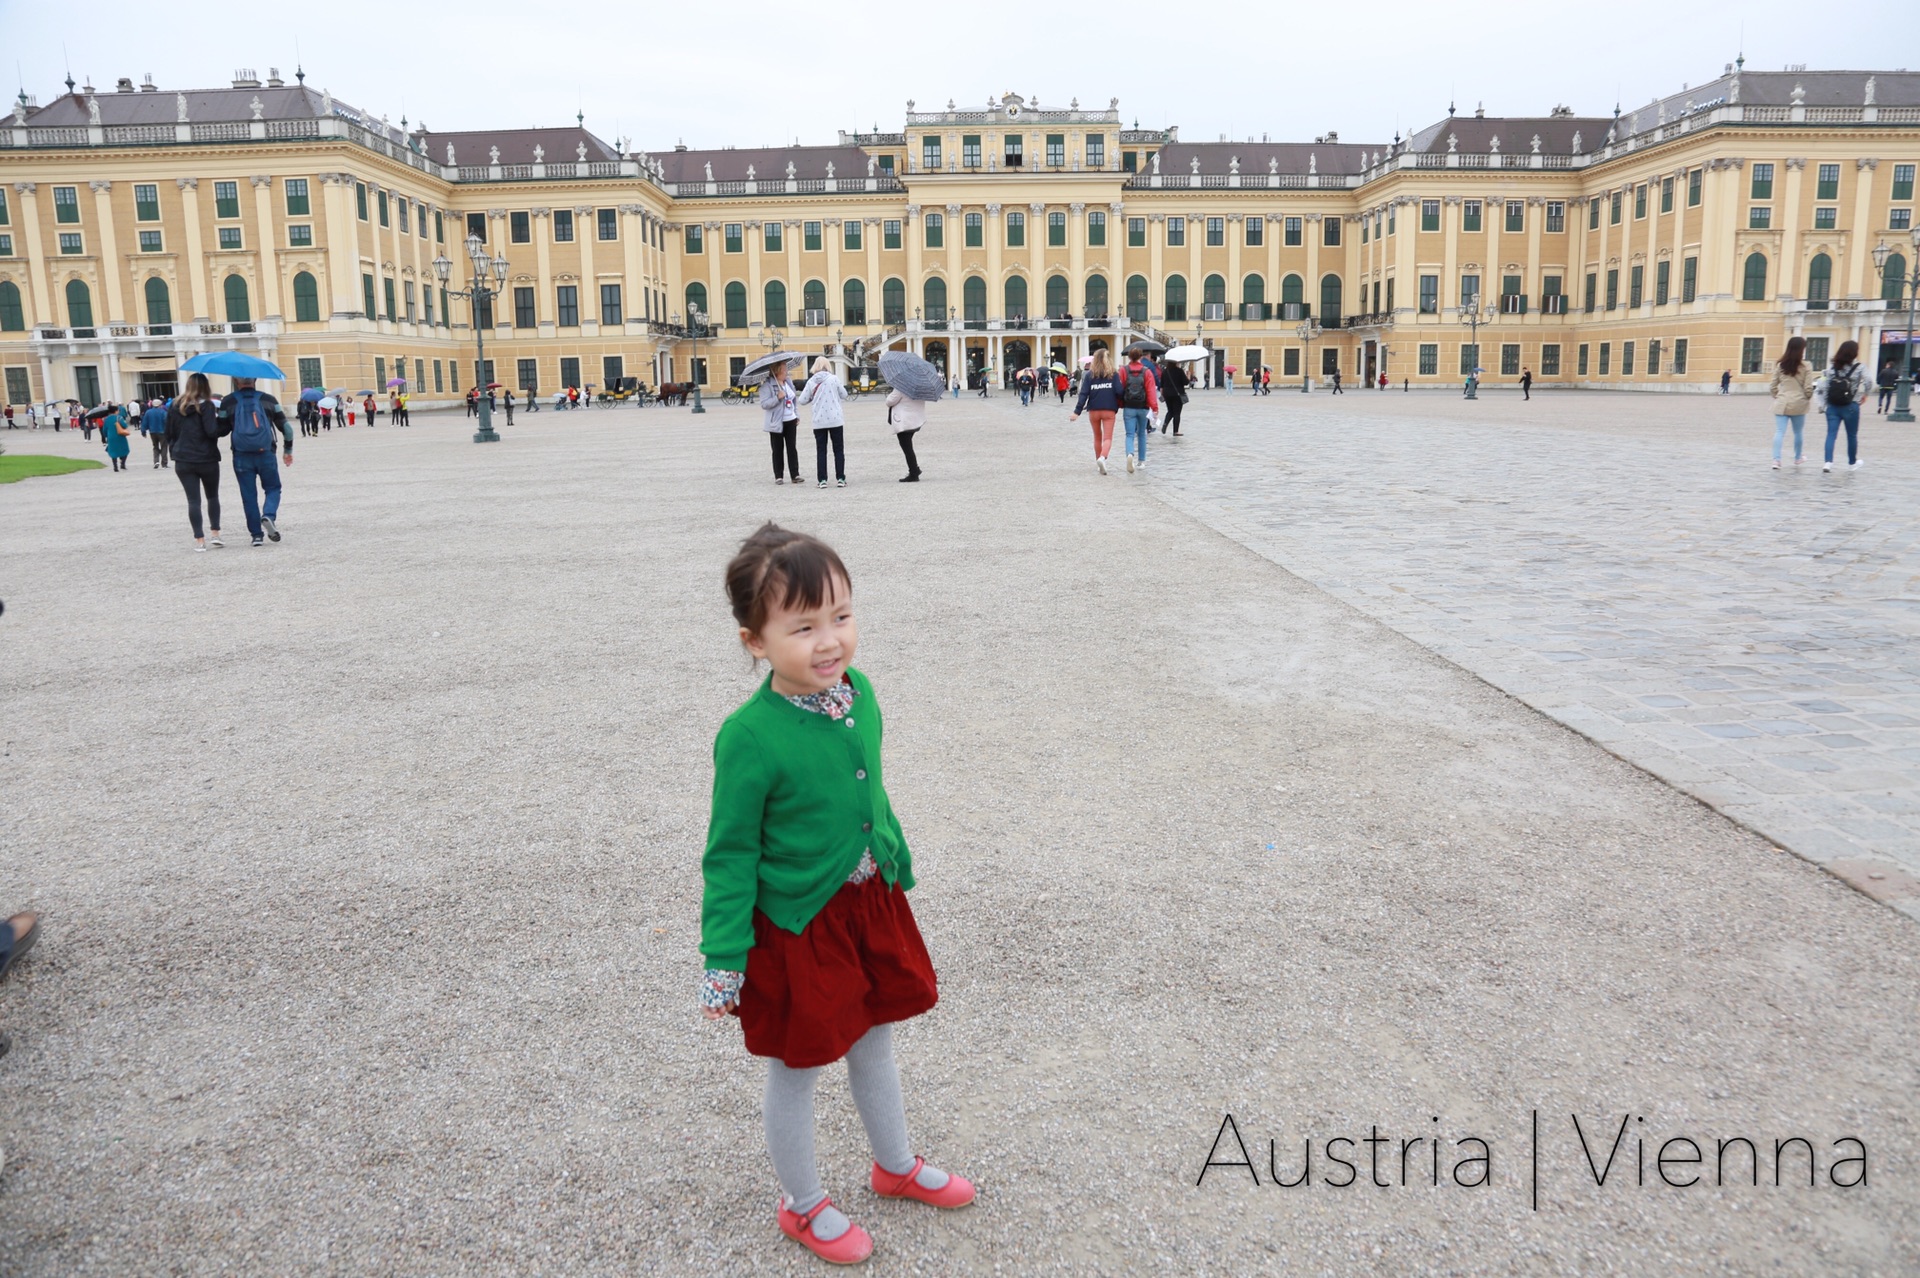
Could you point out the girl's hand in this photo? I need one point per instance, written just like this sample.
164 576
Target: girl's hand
719 1013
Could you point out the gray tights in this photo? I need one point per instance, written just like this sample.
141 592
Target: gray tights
876 1093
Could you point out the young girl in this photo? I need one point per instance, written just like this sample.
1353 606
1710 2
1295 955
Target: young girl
805 926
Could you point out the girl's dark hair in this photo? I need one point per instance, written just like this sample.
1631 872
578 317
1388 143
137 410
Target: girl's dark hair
778 566
1849 351
1796 351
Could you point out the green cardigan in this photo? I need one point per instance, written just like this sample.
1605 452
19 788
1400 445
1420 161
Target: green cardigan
797 797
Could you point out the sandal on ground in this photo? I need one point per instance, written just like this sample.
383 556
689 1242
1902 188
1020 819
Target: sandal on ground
849 1248
22 942
957 1192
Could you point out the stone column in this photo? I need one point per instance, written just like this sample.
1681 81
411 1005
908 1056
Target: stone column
756 291
1677 284
39 298
543 307
266 246
1857 247
635 226
836 294
915 233
876 297
586 230
113 300
196 255
790 233
1117 253
1235 227
1037 257
1157 276
337 219
993 234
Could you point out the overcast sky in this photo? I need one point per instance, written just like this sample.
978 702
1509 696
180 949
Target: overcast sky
661 72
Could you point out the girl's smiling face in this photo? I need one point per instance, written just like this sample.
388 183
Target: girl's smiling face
808 648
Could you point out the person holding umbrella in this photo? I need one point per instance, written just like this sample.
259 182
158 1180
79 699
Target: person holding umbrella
193 433
827 397
779 409
251 417
1174 380
114 433
916 383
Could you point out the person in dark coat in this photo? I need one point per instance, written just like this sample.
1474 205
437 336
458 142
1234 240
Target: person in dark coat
194 430
114 434
1173 393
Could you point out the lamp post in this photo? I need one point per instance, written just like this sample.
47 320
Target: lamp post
482 292
696 329
1308 330
1903 389
1471 316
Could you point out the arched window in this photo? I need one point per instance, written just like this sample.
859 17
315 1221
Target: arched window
1755 288
736 305
239 311
306 299
1819 281
1016 291
1056 296
1213 291
79 304
1893 281
1176 299
933 298
1293 292
853 302
12 318
893 302
1096 296
1137 298
1330 301
696 300
973 298
813 297
159 302
1253 290
776 304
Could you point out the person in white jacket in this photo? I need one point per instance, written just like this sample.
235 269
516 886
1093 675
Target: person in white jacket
826 395
907 416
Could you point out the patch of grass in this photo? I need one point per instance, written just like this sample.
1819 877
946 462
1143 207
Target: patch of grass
14 469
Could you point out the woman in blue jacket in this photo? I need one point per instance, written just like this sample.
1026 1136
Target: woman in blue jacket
113 432
1100 400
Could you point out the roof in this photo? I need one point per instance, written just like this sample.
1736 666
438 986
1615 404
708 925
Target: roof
1268 157
768 163
1474 134
204 106
475 146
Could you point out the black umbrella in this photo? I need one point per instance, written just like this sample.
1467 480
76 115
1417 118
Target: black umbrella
912 376
1146 346
94 414
761 369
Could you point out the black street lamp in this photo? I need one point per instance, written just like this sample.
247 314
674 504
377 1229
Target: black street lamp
482 293
1471 316
696 329
1308 330
1903 389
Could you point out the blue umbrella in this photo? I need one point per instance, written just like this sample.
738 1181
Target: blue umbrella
233 364
312 394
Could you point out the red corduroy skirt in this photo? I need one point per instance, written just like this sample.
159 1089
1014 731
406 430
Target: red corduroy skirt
858 963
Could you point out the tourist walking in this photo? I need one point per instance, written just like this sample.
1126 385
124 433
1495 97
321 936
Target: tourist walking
1266 380
1060 384
11 424
1173 395
252 417
1336 383
826 397
780 418
1526 384
1100 401
907 416
193 434
1139 400
1888 379
371 407
506 402
1792 389
1726 380
473 401
1845 385
805 931
85 421
116 436
153 424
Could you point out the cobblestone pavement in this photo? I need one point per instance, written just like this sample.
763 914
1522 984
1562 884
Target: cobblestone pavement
1627 564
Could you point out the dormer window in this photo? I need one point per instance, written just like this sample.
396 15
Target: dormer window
1015 150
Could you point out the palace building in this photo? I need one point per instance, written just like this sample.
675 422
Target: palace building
1648 250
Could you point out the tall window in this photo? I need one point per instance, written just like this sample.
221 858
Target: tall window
1693 189
160 304
239 311
1293 298
695 238
1429 294
1666 195
1255 233
405 206
523 308
1640 201
609 224
1056 230
1902 182
1176 232
1016 230
736 305
975 230
520 227
1593 216
1096 296
1429 215
1819 281
697 301
1613 209
1679 356
810 237
970 151
1662 281
853 302
1096 229
567 305
563 227
933 296
1754 289
1011 152
1176 299
1253 297
1216 232
392 310
1613 287
1626 359
1827 183
146 202
1893 279
1550 360
1096 150
1429 358
973 299
1762 182
1015 296
610 312
1057 301
770 238
1470 215
1689 277
1469 292
306 298
733 237
1136 232
1330 230
1291 232
1636 285
1556 216
813 302
936 230
1593 292
775 299
890 233
1330 301
1137 298
930 153
1213 293
1516 215
850 235
66 204
1056 149
893 302
384 214
226 201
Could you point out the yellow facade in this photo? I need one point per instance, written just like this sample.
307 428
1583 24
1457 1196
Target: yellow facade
142 226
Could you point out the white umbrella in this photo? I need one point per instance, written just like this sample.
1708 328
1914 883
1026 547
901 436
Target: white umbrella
329 403
1184 354
761 369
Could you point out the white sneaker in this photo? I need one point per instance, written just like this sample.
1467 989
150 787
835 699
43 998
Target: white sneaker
1776 465
1827 466
215 540
1101 462
779 479
823 483
1853 466
1129 463
1143 464
201 547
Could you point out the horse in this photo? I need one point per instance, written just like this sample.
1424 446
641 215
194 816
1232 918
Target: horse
674 393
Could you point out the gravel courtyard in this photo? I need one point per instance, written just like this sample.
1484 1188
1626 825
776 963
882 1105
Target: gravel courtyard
368 865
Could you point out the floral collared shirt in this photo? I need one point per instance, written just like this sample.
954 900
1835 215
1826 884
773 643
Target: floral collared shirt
719 988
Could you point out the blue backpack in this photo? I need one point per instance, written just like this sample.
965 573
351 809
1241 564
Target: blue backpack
252 431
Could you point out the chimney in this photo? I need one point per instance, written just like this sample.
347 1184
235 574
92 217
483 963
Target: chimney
244 78
123 85
147 85
273 78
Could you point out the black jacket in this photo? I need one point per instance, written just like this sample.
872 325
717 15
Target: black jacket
195 435
1173 383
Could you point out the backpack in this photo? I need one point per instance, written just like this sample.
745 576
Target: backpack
1133 388
252 432
1840 387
